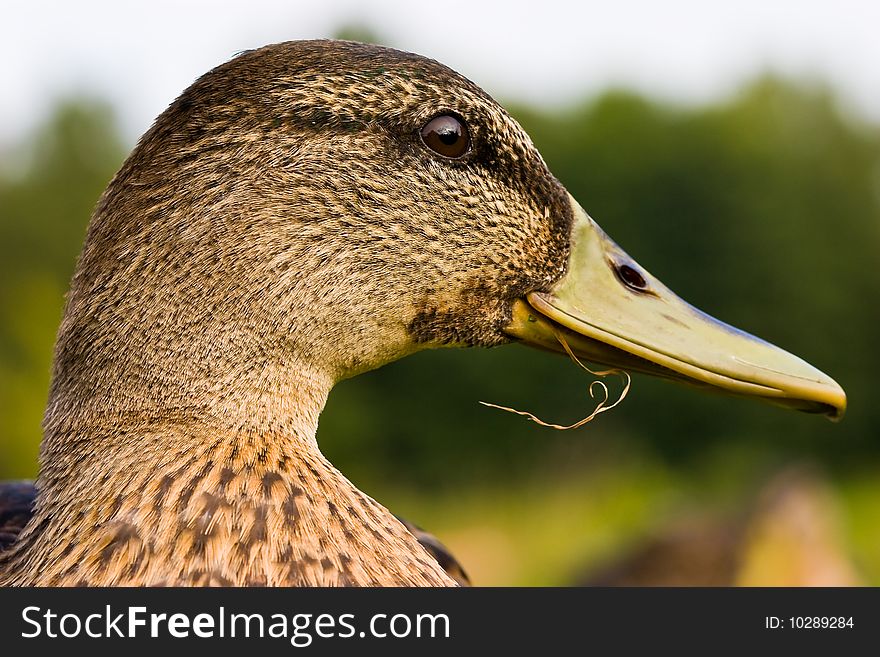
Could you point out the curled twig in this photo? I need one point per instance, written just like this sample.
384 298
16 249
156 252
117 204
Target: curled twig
601 407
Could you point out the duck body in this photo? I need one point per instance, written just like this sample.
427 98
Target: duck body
291 220
205 526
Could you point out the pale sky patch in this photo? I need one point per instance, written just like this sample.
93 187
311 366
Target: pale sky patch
141 55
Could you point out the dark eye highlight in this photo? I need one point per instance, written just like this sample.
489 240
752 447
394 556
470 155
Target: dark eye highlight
447 136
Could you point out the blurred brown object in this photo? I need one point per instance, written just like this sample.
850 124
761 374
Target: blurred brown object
789 536
16 501
439 551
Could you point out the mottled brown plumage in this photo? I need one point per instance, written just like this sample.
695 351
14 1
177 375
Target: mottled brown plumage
281 227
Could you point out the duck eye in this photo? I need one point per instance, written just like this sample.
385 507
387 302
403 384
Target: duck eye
631 277
446 136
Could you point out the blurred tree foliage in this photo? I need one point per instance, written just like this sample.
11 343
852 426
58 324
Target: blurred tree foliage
49 185
763 210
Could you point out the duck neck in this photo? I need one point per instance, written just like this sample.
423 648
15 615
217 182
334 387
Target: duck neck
181 497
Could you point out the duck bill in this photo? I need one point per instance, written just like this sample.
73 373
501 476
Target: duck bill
612 311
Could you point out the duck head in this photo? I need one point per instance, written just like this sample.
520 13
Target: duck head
311 210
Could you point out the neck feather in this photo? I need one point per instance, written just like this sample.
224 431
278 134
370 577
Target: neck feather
184 498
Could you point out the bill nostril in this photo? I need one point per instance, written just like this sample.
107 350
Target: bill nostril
631 277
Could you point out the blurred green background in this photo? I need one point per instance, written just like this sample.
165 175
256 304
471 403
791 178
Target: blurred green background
762 209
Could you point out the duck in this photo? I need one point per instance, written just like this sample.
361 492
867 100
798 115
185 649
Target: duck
301 214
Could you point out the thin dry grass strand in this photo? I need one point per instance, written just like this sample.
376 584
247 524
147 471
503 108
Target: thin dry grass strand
601 407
